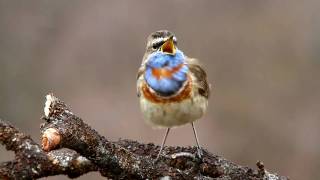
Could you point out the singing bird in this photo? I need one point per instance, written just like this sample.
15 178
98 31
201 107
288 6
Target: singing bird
172 88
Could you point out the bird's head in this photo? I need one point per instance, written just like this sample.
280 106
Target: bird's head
166 70
163 40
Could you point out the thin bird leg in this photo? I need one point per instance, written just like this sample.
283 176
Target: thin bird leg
197 141
163 142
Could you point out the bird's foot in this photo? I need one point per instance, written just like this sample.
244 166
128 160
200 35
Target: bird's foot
155 161
157 158
199 153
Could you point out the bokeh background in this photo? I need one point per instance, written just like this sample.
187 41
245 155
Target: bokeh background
262 58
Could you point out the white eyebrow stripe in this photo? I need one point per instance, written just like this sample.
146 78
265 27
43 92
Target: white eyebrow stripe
158 40
161 39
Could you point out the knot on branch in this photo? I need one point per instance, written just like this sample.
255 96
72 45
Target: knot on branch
50 139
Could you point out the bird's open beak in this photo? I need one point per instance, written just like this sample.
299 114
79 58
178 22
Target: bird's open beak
169 47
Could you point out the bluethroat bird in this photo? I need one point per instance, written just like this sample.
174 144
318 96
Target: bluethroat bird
172 88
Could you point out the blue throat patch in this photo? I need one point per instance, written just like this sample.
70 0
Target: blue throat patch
170 82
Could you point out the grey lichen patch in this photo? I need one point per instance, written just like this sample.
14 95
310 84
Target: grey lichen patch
65 157
183 154
269 176
50 99
82 159
34 171
101 148
166 178
63 161
68 112
27 145
136 165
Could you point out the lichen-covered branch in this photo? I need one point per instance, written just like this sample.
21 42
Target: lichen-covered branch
32 162
127 159
71 147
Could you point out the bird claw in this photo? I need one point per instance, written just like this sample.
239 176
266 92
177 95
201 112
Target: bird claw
199 153
154 162
157 159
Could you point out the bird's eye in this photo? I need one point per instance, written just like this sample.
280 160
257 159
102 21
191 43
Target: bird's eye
156 45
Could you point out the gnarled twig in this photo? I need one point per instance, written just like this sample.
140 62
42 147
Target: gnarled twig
32 162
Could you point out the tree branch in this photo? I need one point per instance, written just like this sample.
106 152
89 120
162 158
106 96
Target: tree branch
32 162
124 159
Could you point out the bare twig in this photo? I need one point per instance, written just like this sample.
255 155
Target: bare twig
32 162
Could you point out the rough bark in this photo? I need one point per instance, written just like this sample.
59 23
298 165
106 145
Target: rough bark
71 147
32 162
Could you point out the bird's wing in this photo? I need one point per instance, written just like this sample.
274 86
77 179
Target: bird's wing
139 74
200 76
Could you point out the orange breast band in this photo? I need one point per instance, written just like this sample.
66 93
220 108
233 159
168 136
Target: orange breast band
153 97
165 73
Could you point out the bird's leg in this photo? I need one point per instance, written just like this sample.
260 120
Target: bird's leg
197 141
163 142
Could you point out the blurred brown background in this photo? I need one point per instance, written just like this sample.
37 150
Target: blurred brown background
262 58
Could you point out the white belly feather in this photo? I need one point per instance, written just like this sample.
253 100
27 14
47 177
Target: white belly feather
174 113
